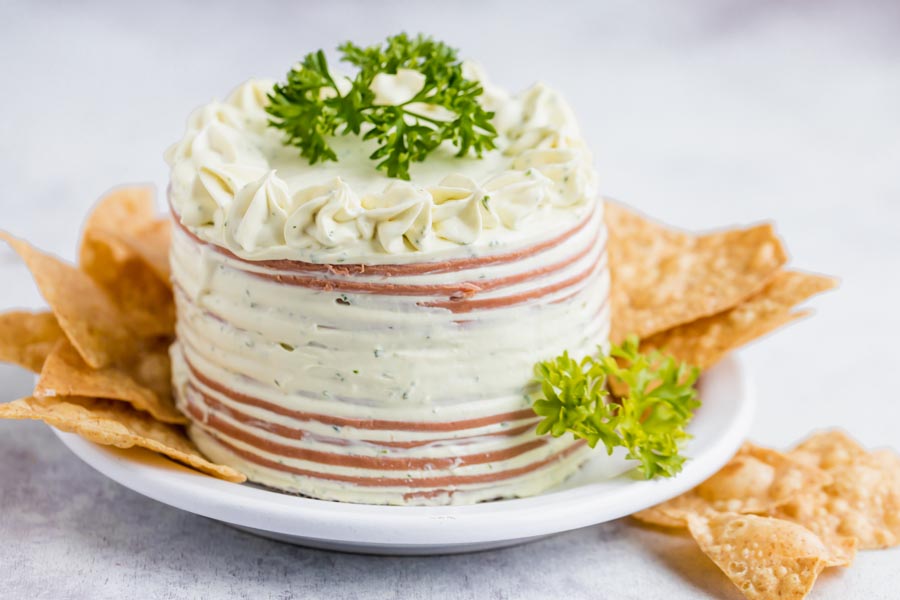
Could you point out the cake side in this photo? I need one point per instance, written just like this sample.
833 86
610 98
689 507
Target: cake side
356 384
353 337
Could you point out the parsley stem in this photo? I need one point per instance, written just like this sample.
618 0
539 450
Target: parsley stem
308 118
424 118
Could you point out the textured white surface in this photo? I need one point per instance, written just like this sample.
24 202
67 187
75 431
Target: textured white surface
701 113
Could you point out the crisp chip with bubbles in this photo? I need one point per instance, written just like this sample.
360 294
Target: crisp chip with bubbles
706 341
143 382
120 250
27 338
88 316
126 220
662 278
828 450
863 499
116 424
151 243
756 480
816 504
125 209
766 558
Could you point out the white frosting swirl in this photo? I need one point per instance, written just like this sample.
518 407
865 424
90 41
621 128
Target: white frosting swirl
222 181
325 215
462 209
234 184
258 214
250 99
398 88
402 213
516 195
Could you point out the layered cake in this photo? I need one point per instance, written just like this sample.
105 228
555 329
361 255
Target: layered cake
355 337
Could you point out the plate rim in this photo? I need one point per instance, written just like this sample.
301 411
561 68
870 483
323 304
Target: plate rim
266 510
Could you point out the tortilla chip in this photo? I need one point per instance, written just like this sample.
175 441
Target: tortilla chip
27 338
119 250
675 512
863 501
89 318
888 460
756 480
125 209
151 243
662 278
145 384
831 513
765 558
126 216
116 424
139 293
706 341
828 450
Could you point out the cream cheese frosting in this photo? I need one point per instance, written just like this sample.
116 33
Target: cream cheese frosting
358 338
234 184
404 384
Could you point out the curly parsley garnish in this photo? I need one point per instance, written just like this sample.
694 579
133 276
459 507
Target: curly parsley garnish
311 106
648 420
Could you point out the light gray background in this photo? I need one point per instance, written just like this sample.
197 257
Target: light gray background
701 113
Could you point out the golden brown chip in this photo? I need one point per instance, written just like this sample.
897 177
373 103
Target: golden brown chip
124 209
139 293
862 502
119 250
27 338
706 341
765 558
662 278
889 461
756 480
126 218
828 449
873 523
89 318
151 243
674 513
145 383
116 424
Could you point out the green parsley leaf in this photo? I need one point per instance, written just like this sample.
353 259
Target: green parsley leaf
648 420
309 107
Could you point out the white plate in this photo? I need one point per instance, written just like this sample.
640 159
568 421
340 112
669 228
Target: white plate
599 492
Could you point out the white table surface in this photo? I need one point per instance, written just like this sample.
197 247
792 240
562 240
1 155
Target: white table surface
702 113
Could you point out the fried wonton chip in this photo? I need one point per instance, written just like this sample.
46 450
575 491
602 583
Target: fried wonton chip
151 243
828 450
126 219
138 292
756 480
124 209
766 558
144 383
90 319
862 501
116 424
127 215
706 341
27 338
662 278
121 250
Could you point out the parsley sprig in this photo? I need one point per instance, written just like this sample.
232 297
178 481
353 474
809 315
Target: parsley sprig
648 420
311 107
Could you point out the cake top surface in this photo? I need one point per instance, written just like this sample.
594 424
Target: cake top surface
237 184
